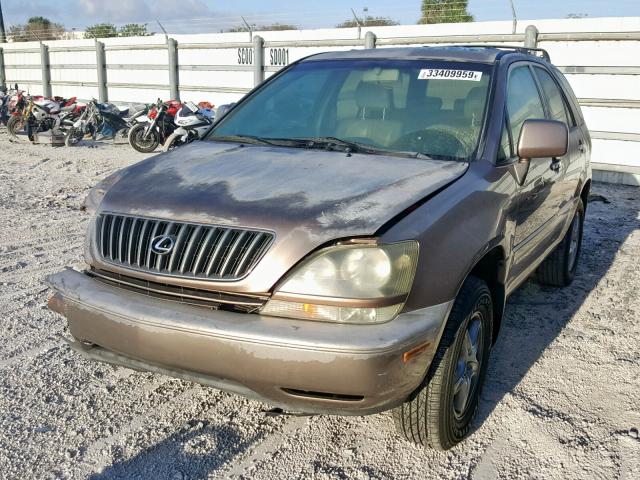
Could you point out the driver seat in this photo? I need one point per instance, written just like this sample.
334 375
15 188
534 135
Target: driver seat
375 105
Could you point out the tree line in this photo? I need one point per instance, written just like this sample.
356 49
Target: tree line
41 28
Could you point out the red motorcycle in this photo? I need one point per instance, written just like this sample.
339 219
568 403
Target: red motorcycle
147 135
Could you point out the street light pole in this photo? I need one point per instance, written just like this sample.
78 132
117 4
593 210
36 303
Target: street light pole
3 37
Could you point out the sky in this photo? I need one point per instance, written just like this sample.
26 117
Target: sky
198 16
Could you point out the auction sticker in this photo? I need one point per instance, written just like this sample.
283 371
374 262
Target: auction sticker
448 74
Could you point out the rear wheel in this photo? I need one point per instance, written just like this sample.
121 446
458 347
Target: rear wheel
15 125
559 268
440 415
121 135
138 141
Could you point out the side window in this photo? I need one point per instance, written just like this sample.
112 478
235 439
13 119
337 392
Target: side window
574 108
504 150
557 106
523 100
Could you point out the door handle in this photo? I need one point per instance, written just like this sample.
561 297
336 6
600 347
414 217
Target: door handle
555 164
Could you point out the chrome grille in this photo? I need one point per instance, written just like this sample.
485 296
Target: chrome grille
200 251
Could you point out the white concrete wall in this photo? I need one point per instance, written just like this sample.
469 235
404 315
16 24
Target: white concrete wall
203 74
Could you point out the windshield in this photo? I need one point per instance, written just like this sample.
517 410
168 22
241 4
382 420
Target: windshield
434 109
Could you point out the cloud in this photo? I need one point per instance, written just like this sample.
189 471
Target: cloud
114 10
80 13
121 11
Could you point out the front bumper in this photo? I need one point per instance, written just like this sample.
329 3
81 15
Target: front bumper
306 366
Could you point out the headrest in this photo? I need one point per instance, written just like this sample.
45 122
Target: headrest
474 102
373 95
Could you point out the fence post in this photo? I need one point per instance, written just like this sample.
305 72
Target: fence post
101 68
258 60
46 72
174 79
3 77
531 37
369 40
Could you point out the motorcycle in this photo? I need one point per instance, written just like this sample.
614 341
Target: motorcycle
104 120
4 105
192 125
37 114
9 100
145 137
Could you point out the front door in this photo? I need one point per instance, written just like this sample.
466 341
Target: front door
540 196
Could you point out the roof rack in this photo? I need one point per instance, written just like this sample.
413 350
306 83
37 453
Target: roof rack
538 52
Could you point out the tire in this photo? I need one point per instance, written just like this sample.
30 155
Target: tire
171 142
559 268
437 416
140 144
15 124
121 135
73 137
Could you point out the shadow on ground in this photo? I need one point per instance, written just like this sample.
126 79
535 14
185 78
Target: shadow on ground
535 315
199 448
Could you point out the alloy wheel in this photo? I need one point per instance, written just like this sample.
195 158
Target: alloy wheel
467 366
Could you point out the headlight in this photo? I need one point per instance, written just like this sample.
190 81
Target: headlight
96 194
348 284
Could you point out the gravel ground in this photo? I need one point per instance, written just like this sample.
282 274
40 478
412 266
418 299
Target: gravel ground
561 399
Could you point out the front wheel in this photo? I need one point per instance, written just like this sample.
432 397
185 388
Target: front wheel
441 413
73 137
138 141
173 141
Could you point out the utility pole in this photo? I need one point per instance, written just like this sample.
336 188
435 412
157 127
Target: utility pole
3 36
358 22
513 15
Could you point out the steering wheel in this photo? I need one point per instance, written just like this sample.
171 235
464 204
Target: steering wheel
434 141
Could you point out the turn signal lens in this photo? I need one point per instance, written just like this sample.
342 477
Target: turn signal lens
330 313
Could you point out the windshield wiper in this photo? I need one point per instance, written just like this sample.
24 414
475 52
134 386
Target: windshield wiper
358 147
349 146
253 139
329 142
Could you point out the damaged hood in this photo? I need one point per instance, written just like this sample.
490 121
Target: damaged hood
307 197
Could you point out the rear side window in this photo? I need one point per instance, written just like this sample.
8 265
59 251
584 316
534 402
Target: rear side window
523 100
574 105
557 105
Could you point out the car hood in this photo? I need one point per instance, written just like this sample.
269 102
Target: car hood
307 197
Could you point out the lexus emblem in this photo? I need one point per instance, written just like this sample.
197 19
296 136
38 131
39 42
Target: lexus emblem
162 244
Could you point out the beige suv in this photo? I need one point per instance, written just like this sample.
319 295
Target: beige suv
345 238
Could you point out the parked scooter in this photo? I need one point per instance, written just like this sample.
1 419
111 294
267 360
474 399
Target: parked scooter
192 125
145 137
101 120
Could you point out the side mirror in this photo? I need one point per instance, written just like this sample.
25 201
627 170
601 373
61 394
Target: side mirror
543 138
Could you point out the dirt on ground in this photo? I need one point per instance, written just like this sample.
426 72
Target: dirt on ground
561 399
